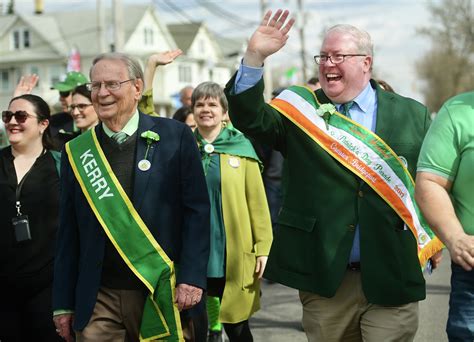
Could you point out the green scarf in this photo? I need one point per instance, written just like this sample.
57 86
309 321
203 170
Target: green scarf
229 141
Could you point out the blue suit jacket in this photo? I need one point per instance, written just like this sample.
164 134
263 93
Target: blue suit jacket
172 200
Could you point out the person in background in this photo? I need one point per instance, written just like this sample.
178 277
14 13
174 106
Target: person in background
146 104
61 123
444 192
82 110
313 83
350 255
241 232
185 114
136 172
29 198
185 96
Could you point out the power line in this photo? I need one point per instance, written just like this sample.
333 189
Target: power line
222 13
176 9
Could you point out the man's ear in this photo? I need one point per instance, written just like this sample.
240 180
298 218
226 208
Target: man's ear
139 85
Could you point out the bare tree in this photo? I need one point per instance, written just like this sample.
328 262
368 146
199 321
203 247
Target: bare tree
447 69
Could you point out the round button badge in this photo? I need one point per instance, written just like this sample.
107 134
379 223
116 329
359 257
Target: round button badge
209 148
234 162
144 165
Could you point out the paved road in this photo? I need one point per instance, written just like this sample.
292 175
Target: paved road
280 316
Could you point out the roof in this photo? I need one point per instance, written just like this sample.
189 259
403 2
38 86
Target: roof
64 30
184 34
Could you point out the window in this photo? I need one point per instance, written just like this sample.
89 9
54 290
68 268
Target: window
16 40
21 39
26 39
56 73
4 80
148 36
185 74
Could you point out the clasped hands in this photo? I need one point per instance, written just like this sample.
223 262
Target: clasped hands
187 296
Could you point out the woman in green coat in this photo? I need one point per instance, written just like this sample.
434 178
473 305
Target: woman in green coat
241 230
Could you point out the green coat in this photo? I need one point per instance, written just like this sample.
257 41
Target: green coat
323 202
248 232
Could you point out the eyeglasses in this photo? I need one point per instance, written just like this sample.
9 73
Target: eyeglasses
64 93
20 116
80 106
335 59
109 85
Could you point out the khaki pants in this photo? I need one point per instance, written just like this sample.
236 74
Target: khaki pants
116 317
349 317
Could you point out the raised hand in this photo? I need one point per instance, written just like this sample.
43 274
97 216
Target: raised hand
26 85
163 58
159 58
269 37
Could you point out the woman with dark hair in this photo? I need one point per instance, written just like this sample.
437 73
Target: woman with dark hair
29 198
185 114
82 110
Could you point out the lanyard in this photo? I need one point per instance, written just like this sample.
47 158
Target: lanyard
20 185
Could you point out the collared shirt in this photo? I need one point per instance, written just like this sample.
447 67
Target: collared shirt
363 111
130 127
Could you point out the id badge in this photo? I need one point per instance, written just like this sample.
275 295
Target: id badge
21 226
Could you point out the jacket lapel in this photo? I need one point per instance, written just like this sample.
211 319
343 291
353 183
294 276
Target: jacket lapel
387 114
141 177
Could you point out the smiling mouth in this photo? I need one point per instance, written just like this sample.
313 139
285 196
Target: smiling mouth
15 130
333 77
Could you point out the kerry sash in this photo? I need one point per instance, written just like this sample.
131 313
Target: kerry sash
130 236
363 153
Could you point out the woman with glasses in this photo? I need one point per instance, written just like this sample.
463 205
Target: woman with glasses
29 198
81 109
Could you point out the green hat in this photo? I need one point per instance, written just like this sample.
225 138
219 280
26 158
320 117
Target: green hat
73 80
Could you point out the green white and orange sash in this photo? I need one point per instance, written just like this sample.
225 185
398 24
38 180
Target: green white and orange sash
366 155
130 236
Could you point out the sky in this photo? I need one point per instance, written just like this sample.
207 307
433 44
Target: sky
391 23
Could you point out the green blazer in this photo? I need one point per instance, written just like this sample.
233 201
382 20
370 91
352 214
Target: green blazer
323 202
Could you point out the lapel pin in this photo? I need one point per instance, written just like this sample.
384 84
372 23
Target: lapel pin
234 162
209 148
144 165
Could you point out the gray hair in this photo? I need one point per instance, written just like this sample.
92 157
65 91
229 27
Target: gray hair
209 89
133 66
360 37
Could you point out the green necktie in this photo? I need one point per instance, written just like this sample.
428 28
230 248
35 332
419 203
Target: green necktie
345 107
119 137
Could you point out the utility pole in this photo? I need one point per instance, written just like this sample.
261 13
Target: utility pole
267 71
118 25
100 26
302 24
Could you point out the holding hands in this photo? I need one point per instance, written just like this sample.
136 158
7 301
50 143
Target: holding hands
187 296
269 37
63 325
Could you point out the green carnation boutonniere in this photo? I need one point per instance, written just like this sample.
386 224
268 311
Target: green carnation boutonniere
325 111
150 137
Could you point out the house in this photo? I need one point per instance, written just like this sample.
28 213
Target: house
42 43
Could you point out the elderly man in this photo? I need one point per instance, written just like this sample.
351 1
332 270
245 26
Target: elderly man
341 240
134 218
444 190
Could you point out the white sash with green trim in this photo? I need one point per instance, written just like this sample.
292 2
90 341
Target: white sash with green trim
130 236
366 155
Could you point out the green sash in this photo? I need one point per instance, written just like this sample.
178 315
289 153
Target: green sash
365 154
130 236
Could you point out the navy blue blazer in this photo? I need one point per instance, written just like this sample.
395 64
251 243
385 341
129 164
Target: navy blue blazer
172 200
